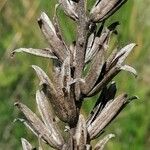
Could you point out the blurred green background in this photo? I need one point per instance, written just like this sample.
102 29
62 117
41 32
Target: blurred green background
18 28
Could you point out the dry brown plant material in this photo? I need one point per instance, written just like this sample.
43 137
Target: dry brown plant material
62 96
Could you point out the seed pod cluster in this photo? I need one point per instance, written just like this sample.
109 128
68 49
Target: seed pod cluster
62 95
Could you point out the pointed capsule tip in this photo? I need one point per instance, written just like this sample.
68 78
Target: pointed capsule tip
16 103
133 98
111 135
34 67
15 120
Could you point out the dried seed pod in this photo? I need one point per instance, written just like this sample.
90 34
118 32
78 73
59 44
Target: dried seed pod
98 44
106 95
102 9
46 52
97 55
93 73
98 51
107 115
106 79
63 105
37 126
44 79
64 85
48 116
114 68
69 8
54 94
64 108
122 54
110 59
57 46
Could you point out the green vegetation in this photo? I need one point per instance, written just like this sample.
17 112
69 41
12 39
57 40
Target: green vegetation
18 28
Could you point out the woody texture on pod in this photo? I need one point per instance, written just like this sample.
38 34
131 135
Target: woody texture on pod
61 96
